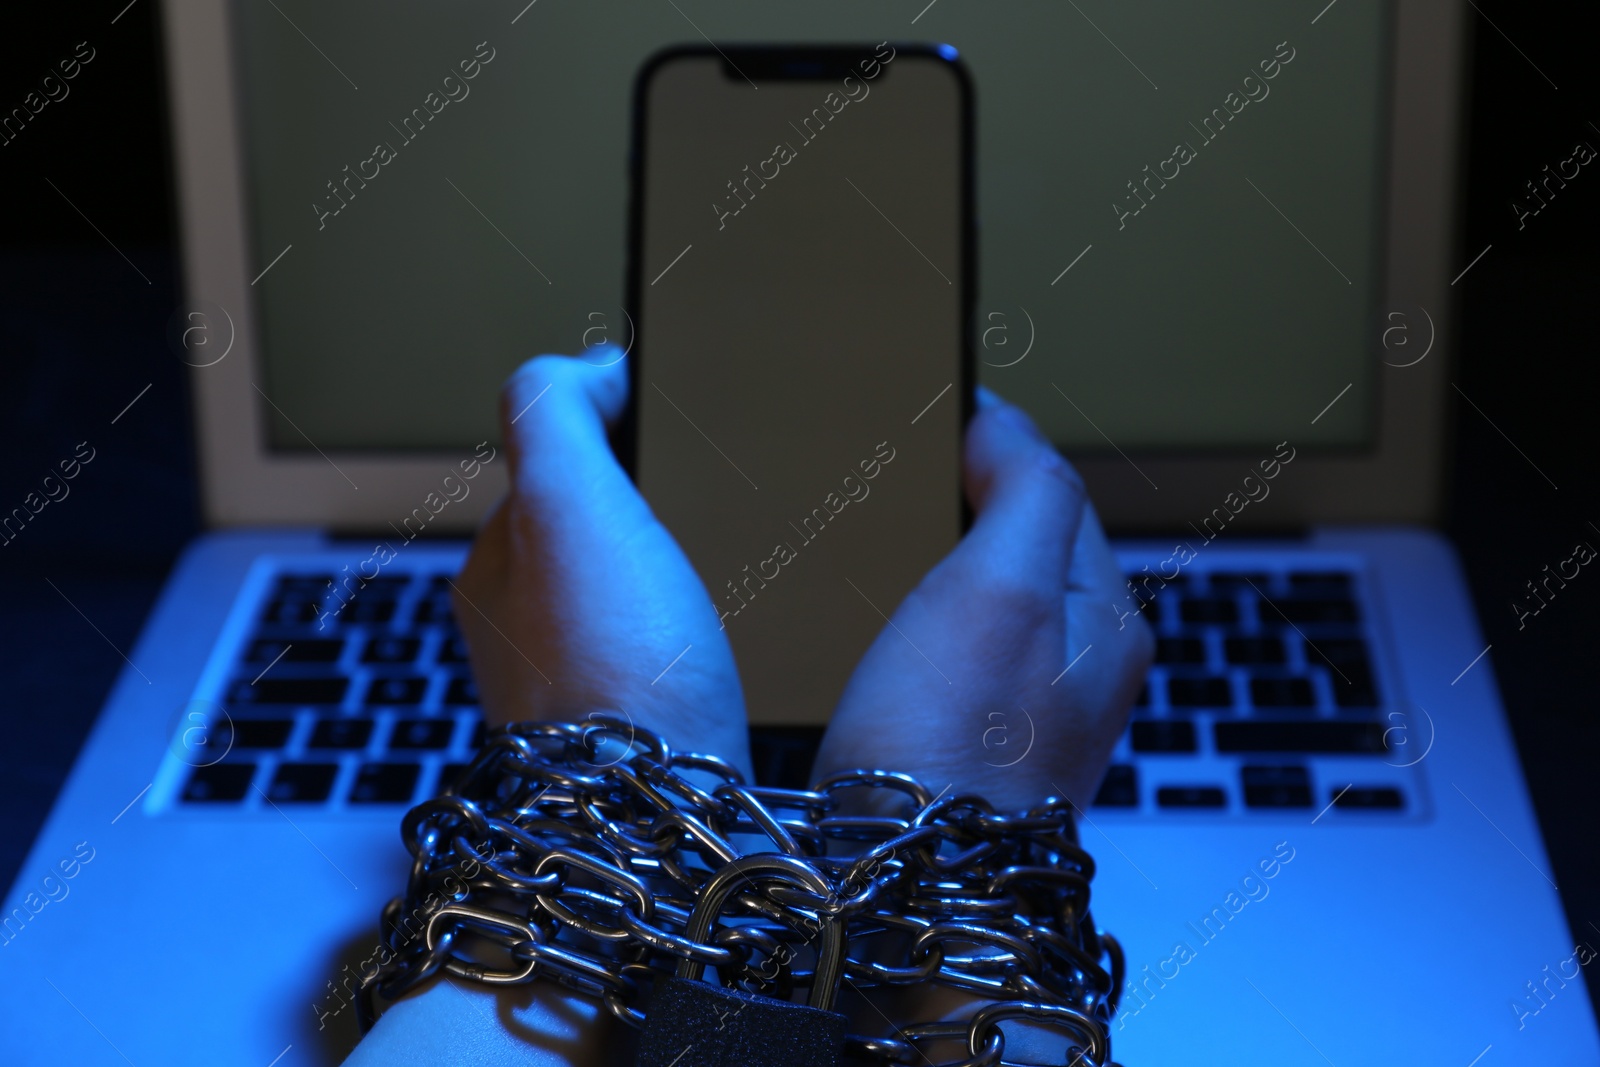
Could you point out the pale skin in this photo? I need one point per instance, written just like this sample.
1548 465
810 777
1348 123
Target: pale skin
574 597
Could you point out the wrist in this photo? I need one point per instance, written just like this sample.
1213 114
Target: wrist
538 1024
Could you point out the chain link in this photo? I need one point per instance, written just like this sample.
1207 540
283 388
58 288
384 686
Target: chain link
586 873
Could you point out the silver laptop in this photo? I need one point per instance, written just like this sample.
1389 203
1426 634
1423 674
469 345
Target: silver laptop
1215 244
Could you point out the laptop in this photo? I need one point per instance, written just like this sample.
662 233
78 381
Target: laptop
1215 266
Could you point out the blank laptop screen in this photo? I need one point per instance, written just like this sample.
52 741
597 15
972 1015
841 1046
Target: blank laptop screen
1180 206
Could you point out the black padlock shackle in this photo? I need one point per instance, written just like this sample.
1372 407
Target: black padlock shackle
769 867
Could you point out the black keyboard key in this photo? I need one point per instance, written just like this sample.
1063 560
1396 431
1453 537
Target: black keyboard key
435 608
390 650
480 731
1281 693
303 585
1199 693
1227 581
299 650
449 774
422 733
364 609
219 782
341 733
350 586
1208 611
1163 735
1120 789
454 650
1308 611
1253 651
385 783
1327 583
260 733
1349 670
289 611
1276 787
1368 798
290 691
396 690
1191 796
1154 581
1355 689
1352 738
1343 652
302 783
462 690
1186 650
388 585
1143 699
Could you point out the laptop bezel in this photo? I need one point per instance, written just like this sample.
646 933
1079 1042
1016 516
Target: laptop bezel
1397 479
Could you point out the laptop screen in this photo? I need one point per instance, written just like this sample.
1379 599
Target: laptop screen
1180 207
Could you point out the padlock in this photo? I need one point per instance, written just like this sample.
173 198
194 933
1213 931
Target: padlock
692 1023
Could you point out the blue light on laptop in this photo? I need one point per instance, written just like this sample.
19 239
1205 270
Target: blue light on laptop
948 51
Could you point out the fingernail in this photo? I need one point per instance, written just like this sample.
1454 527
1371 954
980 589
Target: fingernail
1019 418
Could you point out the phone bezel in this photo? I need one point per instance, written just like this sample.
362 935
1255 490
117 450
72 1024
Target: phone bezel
625 439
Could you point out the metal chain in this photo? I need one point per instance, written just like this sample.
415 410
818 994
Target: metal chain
584 871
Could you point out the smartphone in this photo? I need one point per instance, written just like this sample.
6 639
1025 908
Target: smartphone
801 281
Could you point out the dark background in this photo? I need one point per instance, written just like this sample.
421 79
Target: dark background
83 330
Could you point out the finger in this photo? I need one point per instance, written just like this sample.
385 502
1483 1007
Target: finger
1109 649
559 408
575 596
1094 569
1029 501
1094 591
1097 597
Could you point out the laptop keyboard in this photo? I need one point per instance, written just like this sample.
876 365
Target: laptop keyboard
342 701
1265 697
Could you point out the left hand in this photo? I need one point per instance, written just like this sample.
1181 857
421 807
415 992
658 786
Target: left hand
983 645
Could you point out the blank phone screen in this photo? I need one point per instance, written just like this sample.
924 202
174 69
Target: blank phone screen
800 337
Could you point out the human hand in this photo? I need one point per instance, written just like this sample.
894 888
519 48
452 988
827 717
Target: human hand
986 638
574 597
985 641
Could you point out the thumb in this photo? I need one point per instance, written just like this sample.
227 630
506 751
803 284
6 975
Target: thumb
554 414
1029 501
